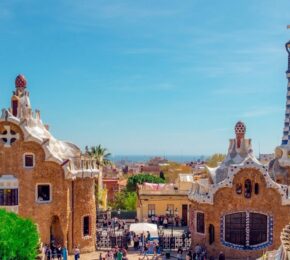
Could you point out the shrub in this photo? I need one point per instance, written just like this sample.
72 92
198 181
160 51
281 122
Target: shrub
18 237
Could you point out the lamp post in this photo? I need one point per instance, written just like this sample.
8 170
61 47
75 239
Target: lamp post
171 213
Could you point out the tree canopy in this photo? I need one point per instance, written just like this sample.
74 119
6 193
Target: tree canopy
141 178
18 237
215 159
125 200
172 169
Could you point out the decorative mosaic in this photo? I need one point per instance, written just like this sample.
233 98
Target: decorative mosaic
228 182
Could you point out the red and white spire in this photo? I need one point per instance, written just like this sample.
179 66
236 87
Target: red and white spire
240 130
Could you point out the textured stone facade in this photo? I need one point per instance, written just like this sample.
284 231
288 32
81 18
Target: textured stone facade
58 165
226 200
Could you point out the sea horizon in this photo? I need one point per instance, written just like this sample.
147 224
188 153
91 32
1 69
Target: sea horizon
143 158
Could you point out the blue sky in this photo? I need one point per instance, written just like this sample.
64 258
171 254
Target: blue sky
150 77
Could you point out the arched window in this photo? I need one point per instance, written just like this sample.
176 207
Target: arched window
246 230
86 226
256 188
239 188
248 188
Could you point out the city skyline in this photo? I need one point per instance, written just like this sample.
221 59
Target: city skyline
140 78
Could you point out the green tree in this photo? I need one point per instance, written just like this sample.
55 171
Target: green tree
215 159
125 200
18 237
140 179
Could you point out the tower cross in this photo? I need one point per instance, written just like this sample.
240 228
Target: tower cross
9 137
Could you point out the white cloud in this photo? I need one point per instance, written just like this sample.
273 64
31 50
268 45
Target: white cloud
262 111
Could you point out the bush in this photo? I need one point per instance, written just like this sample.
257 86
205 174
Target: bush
18 237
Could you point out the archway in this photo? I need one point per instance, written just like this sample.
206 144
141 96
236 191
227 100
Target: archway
56 235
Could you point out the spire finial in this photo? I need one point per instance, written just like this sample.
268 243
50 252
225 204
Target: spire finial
240 130
20 82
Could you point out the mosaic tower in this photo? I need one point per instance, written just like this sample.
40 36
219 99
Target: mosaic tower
286 131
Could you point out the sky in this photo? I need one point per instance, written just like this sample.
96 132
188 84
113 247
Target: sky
150 77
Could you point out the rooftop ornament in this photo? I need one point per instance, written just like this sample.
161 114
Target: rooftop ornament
240 130
20 81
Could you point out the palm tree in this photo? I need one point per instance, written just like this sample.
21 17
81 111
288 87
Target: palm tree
100 154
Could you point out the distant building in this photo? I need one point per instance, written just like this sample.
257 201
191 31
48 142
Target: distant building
112 187
156 199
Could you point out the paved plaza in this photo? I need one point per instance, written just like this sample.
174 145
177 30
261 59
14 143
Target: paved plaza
131 256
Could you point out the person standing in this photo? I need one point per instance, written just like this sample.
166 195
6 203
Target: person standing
179 253
165 222
119 255
64 253
48 253
222 256
148 236
76 253
59 252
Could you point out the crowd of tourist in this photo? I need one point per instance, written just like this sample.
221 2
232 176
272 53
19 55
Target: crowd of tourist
114 254
54 251
115 223
165 221
198 253
145 246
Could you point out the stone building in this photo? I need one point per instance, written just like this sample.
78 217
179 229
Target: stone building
45 179
158 199
241 210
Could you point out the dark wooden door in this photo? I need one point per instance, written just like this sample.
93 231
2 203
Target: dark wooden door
184 214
